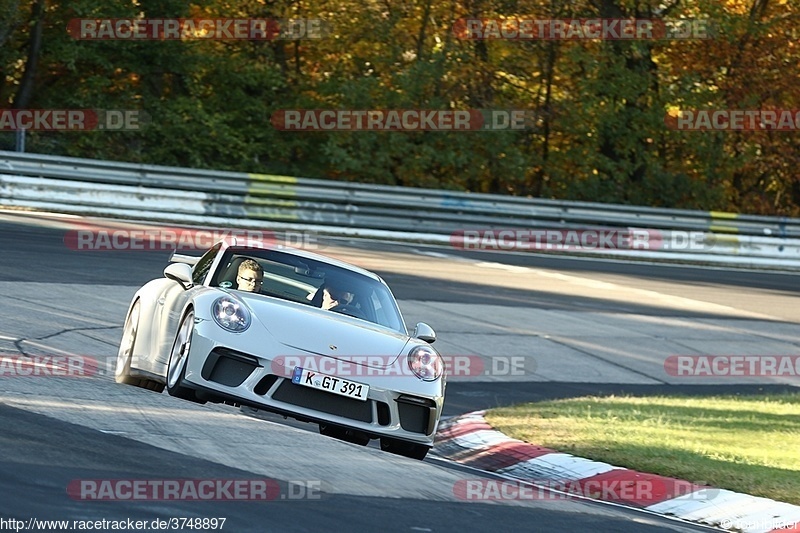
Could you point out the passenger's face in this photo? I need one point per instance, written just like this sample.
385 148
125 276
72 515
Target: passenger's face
332 299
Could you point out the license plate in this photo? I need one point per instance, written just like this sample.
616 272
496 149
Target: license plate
342 387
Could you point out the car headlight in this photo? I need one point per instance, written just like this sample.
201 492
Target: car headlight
425 363
230 314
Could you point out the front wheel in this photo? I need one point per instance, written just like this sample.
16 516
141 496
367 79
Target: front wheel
178 357
404 448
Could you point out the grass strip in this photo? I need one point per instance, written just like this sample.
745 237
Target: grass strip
748 444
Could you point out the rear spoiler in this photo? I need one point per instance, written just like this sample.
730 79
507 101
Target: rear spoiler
175 257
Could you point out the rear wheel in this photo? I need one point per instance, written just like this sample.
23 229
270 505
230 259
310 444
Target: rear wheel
404 448
122 373
341 433
178 357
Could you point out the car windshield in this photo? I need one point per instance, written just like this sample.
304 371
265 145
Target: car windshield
309 282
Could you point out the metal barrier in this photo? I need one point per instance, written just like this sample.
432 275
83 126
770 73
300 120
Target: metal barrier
234 199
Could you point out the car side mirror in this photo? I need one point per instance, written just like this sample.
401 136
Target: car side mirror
424 332
180 272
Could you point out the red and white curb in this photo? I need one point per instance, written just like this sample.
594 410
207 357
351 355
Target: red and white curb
470 440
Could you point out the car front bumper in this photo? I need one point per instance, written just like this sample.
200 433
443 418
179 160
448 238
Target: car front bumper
398 407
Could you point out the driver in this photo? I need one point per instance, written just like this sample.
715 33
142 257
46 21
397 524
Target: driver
250 276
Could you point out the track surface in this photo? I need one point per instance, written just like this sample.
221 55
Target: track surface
573 320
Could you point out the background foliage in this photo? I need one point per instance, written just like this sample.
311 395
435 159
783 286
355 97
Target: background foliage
602 104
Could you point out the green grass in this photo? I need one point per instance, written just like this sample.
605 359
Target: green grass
747 444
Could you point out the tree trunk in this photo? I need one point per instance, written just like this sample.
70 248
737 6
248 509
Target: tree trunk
25 92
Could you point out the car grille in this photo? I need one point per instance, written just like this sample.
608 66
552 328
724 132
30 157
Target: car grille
325 402
384 414
265 384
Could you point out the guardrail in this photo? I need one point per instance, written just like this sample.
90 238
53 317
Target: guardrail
234 199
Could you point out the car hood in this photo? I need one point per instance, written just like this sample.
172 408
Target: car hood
313 330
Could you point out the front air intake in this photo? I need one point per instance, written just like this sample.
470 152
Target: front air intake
228 367
416 414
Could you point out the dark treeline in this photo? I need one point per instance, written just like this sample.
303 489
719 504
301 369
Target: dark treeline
601 131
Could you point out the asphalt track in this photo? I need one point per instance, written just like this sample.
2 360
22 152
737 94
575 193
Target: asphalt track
96 429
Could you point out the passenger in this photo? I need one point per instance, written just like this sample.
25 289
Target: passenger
333 296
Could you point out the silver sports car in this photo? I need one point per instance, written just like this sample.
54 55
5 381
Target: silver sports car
290 332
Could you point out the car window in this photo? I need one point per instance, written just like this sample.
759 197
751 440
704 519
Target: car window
303 280
202 267
282 281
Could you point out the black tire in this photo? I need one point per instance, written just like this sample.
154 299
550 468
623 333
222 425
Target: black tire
178 357
404 448
345 434
122 373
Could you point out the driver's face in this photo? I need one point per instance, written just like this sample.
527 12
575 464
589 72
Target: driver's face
331 300
248 280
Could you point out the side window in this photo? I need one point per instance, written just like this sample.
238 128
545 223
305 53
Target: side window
204 264
380 313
